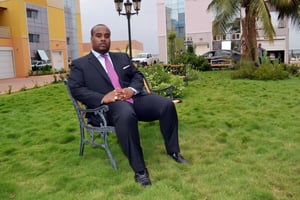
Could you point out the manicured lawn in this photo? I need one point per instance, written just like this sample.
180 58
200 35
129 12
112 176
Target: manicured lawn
242 136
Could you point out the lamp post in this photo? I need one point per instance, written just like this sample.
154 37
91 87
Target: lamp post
128 13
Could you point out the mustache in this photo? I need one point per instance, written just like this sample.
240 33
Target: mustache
103 44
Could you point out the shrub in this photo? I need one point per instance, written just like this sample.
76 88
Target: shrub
156 75
175 69
191 73
245 69
202 64
196 62
47 68
179 85
292 69
159 78
35 71
265 71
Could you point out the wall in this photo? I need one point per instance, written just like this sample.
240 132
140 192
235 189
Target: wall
161 31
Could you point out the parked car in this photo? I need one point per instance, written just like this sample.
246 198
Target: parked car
144 59
222 54
39 64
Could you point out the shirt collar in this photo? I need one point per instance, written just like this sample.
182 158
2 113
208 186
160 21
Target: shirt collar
98 54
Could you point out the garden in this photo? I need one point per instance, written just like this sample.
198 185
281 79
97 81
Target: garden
242 136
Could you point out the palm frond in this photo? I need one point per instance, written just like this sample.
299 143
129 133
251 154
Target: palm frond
225 13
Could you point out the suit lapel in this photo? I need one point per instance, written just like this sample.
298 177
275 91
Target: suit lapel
95 63
115 64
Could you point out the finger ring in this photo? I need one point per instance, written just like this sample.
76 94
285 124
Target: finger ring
116 97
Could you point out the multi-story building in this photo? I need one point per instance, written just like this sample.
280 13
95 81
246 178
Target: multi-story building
48 30
192 23
279 48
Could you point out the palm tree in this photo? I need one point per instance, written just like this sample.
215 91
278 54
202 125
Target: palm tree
253 10
288 8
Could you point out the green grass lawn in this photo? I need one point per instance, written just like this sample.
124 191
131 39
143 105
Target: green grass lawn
242 136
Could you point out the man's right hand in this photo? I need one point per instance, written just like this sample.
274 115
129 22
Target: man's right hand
110 97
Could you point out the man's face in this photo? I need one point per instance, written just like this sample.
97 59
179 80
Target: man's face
101 39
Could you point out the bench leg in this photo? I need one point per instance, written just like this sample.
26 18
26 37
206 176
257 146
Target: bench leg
81 148
107 149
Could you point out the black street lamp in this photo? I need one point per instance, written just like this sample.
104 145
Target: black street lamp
128 13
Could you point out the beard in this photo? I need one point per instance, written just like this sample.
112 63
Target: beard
102 48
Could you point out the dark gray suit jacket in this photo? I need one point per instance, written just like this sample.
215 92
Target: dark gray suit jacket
89 82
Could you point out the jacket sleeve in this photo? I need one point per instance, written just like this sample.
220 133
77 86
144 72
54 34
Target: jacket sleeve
79 88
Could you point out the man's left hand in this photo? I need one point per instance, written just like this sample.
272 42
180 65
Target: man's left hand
124 93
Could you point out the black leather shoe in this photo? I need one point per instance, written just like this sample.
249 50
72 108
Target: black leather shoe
142 178
179 158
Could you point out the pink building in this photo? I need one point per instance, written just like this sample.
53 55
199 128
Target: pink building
198 25
190 19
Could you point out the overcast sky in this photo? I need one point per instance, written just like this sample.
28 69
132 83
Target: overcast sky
143 25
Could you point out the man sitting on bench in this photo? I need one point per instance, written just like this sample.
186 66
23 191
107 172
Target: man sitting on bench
104 77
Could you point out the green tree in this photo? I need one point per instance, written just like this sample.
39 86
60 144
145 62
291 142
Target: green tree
171 46
190 49
255 10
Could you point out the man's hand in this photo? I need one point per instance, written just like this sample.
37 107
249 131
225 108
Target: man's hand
119 94
109 97
125 93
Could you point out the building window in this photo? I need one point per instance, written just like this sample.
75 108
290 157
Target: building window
235 36
68 40
34 38
224 37
32 13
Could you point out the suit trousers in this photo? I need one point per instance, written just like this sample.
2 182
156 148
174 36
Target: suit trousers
146 107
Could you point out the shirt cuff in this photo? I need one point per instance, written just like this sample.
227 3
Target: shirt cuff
134 90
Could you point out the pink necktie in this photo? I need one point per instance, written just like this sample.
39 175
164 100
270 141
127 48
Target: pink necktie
113 75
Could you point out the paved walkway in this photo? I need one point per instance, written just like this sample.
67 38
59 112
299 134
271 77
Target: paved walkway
16 84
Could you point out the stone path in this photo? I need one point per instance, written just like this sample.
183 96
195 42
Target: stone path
16 84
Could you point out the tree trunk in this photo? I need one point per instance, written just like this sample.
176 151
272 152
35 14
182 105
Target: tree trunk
248 39
252 36
244 41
